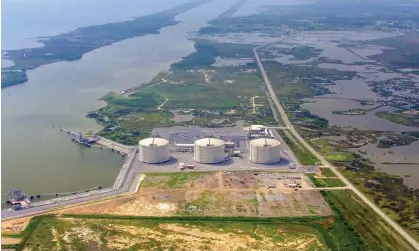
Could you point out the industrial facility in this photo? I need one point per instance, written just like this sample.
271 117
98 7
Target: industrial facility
209 151
265 151
256 131
154 150
223 148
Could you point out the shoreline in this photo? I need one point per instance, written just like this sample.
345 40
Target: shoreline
64 47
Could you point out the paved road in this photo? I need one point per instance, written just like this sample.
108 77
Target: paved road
325 188
292 130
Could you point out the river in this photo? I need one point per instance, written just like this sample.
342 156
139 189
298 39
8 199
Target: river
36 156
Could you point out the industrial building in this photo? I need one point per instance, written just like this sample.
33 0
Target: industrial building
209 151
154 150
256 131
265 151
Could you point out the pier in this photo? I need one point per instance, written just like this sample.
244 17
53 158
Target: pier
99 141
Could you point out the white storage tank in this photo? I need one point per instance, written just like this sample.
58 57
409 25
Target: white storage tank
265 151
209 150
154 150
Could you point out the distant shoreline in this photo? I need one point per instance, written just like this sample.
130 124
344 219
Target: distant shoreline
73 45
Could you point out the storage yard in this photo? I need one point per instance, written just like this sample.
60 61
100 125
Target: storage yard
186 149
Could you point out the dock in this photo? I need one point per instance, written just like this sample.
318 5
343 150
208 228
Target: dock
100 141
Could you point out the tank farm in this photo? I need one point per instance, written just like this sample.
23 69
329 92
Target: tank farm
171 149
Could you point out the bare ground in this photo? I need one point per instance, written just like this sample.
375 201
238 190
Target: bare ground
14 226
216 194
10 241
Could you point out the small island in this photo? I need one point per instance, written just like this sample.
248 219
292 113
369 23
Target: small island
351 112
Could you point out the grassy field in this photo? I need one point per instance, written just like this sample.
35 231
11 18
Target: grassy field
354 226
302 154
127 125
326 172
329 152
170 180
389 193
325 182
112 233
214 96
399 118
206 52
367 230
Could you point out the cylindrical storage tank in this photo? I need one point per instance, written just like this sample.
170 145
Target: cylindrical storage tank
265 151
209 151
154 150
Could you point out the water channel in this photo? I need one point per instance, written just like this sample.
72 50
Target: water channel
36 156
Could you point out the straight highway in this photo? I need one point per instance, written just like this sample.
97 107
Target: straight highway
297 136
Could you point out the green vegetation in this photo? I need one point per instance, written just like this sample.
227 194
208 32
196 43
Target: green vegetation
9 78
230 11
390 194
299 52
404 52
329 152
351 112
26 234
326 172
412 134
72 45
325 182
188 90
138 100
302 154
200 96
206 52
128 124
354 227
395 140
319 16
400 118
156 233
169 180
294 82
367 231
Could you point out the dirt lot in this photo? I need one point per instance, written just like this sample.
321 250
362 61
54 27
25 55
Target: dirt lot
9 241
14 226
212 194
113 234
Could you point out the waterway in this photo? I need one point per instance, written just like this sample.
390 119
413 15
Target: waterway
396 157
404 160
39 158
24 21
